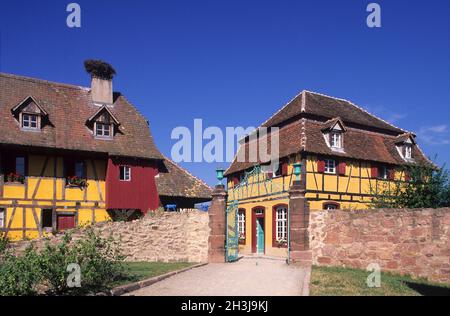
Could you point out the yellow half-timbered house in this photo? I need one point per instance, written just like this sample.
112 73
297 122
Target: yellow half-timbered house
346 156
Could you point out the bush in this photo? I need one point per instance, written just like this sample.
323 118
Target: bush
19 275
45 272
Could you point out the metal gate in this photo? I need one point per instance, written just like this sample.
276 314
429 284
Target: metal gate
232 233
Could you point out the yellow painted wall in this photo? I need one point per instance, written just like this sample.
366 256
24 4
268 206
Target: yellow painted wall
349 191
41 192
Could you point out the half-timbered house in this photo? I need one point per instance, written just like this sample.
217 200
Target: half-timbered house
72 155
346 155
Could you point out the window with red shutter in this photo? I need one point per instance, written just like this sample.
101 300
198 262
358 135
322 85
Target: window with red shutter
321 166
342 168
392 174
236 180
284 169
374 172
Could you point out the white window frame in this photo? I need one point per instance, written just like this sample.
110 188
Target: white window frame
2 217
330 166
241 224
27 121
281 214
408 151
100 130
126 175
384 172
336 140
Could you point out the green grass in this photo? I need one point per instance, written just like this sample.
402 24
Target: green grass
335 281
138 271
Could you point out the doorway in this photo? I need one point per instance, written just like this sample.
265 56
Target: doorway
258 231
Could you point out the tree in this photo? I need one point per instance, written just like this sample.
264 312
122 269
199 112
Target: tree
424 187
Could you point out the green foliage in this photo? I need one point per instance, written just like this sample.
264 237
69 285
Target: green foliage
428 187
19 275
45 272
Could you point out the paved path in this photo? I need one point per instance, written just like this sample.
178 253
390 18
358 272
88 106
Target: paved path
247 277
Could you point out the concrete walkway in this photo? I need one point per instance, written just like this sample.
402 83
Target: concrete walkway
247 277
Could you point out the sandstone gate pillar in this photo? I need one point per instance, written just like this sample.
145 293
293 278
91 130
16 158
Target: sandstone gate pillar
300 254
217 213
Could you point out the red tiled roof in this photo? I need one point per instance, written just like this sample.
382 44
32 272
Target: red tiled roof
68 108
175 181
311 103
303 120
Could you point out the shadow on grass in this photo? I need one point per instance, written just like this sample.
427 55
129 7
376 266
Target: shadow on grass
428 290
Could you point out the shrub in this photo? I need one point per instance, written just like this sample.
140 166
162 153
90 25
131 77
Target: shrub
45 272
20 276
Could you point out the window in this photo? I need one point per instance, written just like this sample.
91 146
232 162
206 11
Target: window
336 140
30 121
125 173
408 151
47 218
103 130
20 165
241 226
282 169
383 173
280 229
79 169
330 166
2 218
331 206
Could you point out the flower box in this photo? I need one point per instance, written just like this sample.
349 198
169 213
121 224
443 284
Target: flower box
14 178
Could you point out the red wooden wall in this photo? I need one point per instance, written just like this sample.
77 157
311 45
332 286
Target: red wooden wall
139 193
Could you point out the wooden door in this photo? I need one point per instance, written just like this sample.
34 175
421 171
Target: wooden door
66 222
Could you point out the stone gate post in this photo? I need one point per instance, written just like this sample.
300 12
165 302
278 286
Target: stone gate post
217 213
300 253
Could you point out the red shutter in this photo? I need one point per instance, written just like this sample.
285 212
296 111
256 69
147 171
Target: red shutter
407 176
284 169
321 166
269 175
235 180
374 172
391 174
342 168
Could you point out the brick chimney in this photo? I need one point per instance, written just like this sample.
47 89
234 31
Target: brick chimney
102 75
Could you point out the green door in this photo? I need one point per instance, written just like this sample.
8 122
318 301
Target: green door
260 235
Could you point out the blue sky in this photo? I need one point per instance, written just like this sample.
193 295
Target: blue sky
234 63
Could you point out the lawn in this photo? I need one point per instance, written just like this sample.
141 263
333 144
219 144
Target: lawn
137 271
335 281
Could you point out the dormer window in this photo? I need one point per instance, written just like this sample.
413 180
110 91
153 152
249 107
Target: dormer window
336 140
103 124
333 132
30 121
30 115
103 130
405 144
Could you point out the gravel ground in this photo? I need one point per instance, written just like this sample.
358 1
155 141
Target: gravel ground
247 277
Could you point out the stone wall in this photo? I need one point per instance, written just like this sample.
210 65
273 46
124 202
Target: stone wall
166 237
414 242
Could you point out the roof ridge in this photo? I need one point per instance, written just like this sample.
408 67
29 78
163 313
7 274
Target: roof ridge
356 106
186 171
282 108
43 81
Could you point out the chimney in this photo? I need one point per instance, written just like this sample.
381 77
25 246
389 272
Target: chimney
102 74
